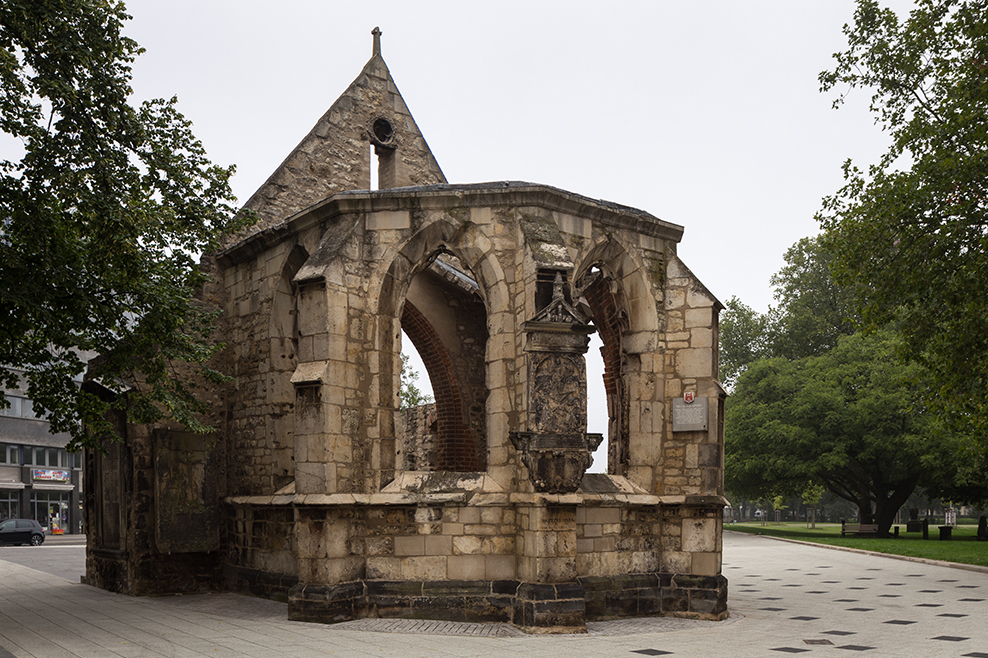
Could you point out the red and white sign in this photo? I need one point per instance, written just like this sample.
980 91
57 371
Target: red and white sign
45 475
688 397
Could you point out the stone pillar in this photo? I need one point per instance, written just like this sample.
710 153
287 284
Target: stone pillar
556 450
549 599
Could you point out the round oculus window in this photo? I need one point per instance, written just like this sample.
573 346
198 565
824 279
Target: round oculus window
383 130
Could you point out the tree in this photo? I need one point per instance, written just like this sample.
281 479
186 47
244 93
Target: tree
813 311
910 235
103 218
851 420
811 497
409 393
743 339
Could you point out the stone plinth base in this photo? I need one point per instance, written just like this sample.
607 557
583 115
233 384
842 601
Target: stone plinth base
266 584
152 574
537 608
656 594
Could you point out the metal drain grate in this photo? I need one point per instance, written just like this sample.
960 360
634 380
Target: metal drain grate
429 627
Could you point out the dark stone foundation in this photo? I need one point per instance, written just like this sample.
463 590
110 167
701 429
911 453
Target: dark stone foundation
537 608
265 584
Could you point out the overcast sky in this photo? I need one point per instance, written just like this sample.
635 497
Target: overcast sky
705 114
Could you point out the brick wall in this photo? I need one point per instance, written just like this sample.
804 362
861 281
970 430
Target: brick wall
458 447
608 320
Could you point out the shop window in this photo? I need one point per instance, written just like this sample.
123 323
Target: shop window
51 509
10 505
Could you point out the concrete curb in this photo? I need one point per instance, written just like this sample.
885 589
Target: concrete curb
905 558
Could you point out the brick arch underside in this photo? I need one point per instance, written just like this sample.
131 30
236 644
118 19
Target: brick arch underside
457 445
608 319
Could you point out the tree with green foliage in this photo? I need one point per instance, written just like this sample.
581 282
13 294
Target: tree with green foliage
811 497
409 394
851 420
811 314
910 234
743 339
103 217
813 311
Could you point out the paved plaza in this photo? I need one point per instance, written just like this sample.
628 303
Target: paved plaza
785 598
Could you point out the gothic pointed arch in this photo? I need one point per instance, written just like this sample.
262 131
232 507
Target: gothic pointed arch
441 303
605 275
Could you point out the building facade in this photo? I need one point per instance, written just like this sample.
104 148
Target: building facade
39 478
314 491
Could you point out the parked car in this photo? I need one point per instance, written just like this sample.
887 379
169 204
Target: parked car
21 531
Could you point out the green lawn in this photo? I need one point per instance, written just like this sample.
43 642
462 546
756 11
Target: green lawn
962 547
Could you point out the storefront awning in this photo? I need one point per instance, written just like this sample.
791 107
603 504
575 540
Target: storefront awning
47 486
11 485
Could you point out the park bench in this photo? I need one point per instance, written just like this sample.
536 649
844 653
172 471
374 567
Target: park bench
868 529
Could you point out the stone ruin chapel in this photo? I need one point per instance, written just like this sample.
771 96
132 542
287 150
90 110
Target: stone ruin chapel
316 489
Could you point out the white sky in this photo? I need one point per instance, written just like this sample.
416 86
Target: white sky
705 114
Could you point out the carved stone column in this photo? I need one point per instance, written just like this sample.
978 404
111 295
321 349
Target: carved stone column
557 449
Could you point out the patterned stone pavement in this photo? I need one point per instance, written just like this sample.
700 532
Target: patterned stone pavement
785 598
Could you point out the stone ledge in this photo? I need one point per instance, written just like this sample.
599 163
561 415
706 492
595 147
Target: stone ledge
693 501
478 499
587 499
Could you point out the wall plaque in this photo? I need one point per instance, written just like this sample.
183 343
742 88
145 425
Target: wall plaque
689 416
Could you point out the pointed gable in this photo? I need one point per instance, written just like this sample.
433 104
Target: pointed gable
336 154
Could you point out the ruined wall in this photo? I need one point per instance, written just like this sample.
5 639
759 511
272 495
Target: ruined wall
260 551
416 438
342 505
258 294
258 324
138 550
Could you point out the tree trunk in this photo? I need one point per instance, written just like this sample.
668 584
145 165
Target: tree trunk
886 508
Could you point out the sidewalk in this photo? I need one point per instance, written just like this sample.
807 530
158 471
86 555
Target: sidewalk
784 598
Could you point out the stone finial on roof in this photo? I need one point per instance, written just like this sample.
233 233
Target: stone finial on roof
377 41
557 287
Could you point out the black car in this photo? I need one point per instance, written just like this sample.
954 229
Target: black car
21 531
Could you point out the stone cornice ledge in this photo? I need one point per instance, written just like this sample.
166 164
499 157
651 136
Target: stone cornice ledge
590 499
403 498
478 499
445 197
694 501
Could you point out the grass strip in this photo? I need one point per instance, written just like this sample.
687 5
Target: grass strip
962 548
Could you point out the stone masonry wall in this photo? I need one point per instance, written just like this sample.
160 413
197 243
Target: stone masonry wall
417 438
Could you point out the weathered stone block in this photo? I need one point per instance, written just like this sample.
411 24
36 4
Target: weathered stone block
424 568
499 567
698 535
383 568
405 546
467 567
